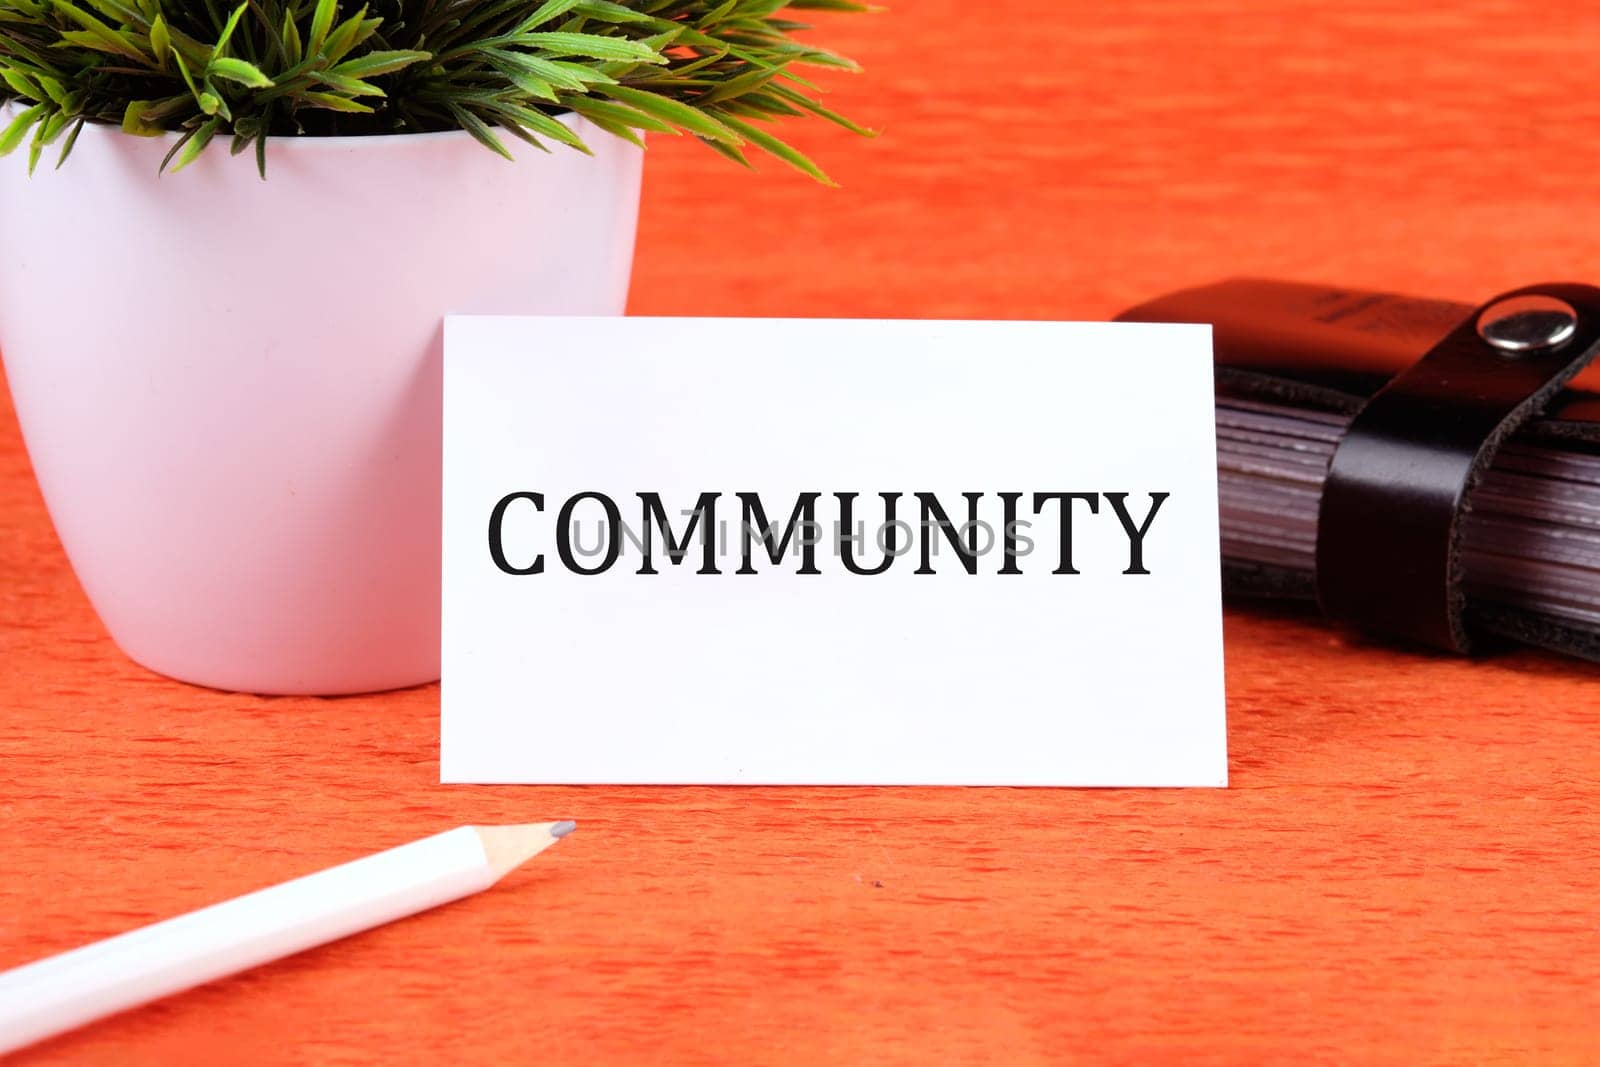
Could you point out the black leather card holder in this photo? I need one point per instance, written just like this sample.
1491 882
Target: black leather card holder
1432 391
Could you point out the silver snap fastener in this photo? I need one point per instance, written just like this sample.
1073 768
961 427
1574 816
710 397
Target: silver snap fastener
1521 324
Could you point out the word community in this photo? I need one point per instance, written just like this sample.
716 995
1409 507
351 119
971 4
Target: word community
919 528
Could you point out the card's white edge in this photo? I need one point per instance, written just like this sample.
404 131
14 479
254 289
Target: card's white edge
807 783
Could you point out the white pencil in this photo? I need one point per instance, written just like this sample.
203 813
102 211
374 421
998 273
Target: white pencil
61 992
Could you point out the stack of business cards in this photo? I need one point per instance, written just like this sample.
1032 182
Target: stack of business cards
1531 540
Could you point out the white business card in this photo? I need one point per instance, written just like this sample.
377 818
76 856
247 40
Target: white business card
830 552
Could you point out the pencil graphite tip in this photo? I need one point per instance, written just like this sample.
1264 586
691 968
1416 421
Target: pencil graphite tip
509 847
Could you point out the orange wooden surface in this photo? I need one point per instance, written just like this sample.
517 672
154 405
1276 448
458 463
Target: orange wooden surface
1404 869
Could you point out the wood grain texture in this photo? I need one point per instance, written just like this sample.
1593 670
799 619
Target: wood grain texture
1404 869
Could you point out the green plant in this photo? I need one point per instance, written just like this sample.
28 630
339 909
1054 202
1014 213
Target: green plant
710 68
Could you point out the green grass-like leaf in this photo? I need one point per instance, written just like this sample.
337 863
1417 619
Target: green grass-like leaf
261 69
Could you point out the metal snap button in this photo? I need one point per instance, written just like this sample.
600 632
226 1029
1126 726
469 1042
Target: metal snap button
1521 324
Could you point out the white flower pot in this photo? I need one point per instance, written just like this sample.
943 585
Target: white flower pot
230 388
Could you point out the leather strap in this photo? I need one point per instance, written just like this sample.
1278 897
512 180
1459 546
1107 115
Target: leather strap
1389 528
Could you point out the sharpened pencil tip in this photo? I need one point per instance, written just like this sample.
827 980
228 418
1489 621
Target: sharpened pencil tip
509 847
